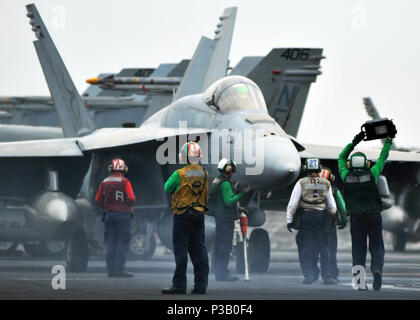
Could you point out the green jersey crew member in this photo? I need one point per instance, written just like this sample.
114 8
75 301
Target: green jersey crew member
364 205
222 204
189 188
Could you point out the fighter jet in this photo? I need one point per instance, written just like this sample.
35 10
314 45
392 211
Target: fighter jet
48 174
403 218
284 76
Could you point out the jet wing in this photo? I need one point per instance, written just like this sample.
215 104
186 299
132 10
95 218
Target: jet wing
106 138
41 148
109 138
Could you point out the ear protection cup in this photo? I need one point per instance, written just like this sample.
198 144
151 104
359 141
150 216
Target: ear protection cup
367 162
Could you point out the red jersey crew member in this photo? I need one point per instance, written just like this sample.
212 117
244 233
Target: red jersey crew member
116 197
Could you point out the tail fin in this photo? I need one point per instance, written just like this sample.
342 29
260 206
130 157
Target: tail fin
210 60
72 113
194 76
370 108
284 76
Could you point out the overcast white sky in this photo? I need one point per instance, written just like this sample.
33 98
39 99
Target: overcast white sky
372 49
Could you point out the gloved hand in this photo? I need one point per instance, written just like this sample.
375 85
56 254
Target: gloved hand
342 225
289 227
241 187
246 188
358 137
392 132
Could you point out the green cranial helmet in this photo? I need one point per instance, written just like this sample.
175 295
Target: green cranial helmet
358 161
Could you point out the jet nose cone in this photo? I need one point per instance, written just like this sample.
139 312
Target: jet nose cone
281 163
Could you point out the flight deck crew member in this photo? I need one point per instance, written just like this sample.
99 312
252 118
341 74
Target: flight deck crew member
116 197
364 205
189 188
313 196
331 223
222 204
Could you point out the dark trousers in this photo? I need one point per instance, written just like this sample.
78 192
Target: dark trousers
363 227
188 238
224 236
312 242
117 238
332 237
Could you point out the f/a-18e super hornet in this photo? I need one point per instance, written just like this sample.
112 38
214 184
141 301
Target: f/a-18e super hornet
48 174
284 75
403 219
204 101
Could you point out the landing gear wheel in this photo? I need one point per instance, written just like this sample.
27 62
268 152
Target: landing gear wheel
54 248
259 251
399 240
77 252
7 247
33 249
49 248
142 246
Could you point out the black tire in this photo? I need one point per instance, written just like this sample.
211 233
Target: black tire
33 249
77 254
49 248
240 260
54 248
7 247
259 251
141 247
399 240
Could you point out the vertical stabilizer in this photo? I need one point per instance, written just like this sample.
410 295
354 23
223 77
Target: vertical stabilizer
222 43
72 113
210 60
284 77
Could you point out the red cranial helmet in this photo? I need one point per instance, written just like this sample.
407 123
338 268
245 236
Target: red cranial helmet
118 165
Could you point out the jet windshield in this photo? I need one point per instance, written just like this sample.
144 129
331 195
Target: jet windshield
235 93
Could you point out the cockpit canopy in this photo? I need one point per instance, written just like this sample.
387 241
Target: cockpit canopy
234 93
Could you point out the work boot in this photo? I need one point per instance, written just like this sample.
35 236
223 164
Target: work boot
121 275
307 281
330 281
377 280
173 290
198 291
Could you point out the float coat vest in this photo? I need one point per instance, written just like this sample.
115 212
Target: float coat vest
116 194
192 191
361 193
314 193
217 205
